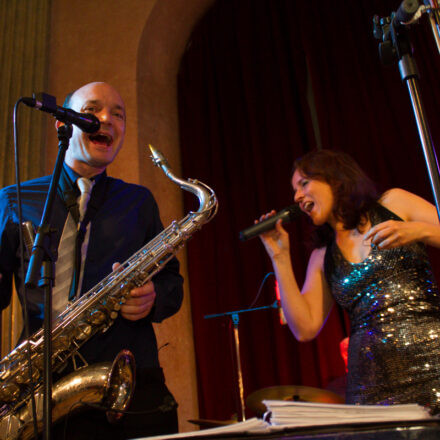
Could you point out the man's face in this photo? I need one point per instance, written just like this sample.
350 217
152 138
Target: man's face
88 153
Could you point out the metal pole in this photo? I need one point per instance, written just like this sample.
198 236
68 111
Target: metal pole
235 321
408 71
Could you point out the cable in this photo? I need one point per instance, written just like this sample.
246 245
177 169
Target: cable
261 288
168 404
20 234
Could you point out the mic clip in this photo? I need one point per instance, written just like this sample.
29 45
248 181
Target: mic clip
44 102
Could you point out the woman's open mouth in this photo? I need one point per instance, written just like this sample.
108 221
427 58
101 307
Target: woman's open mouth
308 206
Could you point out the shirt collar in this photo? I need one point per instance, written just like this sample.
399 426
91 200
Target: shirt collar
73 175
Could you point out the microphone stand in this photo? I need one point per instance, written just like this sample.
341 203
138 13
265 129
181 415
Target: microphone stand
42 259
397 46
235 317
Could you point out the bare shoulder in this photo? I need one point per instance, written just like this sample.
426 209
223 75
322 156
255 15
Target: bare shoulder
408 205
395 195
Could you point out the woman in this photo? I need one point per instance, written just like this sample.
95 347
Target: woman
370 258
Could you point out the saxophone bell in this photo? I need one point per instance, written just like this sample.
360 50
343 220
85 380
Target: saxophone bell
109 385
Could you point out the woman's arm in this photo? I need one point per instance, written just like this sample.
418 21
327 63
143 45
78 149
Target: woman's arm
307 309
421 221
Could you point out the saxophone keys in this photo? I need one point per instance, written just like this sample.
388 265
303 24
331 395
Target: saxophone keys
5 373
82 331
9 392
38 362
113 304
61 343
97 317
23 378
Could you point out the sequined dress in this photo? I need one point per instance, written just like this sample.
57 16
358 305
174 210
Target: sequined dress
394 308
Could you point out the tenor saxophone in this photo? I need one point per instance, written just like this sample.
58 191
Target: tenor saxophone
94 312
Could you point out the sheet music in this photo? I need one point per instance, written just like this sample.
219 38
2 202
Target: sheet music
300 414
287 415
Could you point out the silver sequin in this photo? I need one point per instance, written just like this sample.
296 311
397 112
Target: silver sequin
394 308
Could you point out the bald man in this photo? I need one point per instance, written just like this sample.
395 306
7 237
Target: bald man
120 219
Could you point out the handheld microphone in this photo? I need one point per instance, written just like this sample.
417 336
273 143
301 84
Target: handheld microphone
46 103
287 215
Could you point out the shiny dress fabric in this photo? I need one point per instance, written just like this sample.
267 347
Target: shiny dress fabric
394 308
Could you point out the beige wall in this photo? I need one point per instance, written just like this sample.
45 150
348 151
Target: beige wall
136 45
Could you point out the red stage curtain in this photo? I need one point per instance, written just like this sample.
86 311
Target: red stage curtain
244 117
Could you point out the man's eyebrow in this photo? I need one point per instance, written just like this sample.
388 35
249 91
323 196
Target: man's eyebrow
92 101
97 101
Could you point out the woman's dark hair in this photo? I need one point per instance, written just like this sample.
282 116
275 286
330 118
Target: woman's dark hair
353 191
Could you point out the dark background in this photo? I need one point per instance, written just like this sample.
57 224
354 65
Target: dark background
256 76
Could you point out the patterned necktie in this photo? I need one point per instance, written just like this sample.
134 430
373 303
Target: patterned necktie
85 186
65 265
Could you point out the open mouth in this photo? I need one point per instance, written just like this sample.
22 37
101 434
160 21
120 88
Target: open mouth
308 206
101 139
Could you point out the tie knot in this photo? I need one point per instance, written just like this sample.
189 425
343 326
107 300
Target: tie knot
85 186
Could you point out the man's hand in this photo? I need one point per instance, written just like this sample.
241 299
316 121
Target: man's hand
140 301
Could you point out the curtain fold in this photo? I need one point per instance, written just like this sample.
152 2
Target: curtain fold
244 117
24 36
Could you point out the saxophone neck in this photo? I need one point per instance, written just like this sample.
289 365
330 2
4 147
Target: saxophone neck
206 196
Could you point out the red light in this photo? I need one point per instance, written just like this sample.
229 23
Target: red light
280 310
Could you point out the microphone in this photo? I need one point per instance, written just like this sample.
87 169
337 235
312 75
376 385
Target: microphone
406 11
434 19
46 103
287 215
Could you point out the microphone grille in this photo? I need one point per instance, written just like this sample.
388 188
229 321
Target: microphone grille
294 211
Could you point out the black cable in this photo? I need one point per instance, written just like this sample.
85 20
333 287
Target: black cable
261 288
168 404
20 234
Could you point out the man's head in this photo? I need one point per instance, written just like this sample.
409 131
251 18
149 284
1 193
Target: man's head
89 154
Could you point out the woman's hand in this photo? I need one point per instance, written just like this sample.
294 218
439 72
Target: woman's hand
393 233
276 241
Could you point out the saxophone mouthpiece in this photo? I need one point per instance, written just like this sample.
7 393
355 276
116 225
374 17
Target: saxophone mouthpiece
157 157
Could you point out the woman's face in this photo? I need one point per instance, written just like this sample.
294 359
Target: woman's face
315 198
